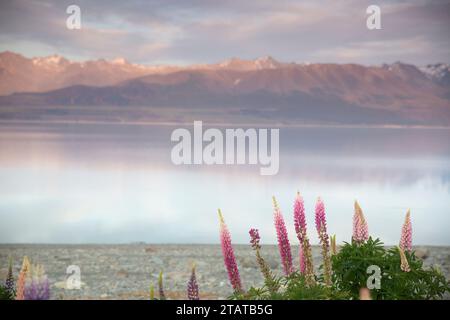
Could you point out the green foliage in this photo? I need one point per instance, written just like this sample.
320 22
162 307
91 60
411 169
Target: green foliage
416 284
351 263
350 273
293 287
5 294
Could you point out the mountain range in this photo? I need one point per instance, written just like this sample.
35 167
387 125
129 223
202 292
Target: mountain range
395 93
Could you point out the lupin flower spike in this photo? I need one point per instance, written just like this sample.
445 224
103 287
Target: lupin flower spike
162 296
20 287
152 292
299 217
192 287
37 286
283 241
360 227
321 223
254 239
404 265
321 226
406 237
333 245
228 256
300 229
265 270
9 282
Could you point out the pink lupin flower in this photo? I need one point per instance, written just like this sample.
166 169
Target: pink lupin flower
321 226
321 223
306 264
406 237
299 217
228 256
283 241
360 227
302 260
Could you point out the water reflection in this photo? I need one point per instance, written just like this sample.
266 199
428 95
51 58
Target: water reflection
115 183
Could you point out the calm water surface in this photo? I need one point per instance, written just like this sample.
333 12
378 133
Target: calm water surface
72 183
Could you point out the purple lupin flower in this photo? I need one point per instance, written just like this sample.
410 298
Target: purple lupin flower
228 256
44 289
360 227
31 290
9 282
254 239
265 270
406 237
283 241
192 287
37 286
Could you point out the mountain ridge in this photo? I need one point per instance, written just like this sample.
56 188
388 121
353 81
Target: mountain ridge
40 74
397 93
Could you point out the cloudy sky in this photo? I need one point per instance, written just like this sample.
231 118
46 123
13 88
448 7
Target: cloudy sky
203 31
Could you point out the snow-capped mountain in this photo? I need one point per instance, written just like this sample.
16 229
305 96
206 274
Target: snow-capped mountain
21 74
394 93
439 72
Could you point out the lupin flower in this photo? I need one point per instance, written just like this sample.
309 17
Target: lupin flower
404 265
9 282
152 292
321 222
299 217
228 256
333 245
283 241
406 237
321 226
162 296
20 287
360 227
254 239
30 291
300 229
37 285
192 287
265 270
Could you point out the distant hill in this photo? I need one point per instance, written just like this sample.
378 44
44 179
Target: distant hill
396 93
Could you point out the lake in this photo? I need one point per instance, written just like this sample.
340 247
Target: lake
115 183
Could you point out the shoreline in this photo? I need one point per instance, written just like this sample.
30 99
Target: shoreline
126 271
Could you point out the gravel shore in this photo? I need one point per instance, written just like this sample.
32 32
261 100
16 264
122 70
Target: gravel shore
127 271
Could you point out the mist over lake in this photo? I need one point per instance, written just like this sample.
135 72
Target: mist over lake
115 183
